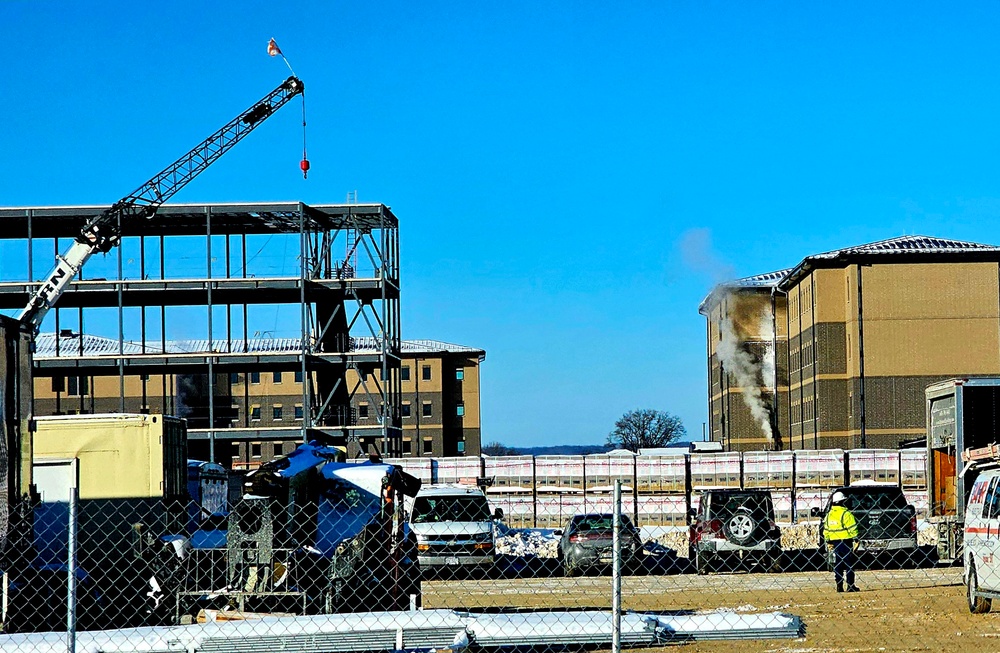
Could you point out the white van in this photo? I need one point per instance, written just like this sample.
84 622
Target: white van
981 554
453 526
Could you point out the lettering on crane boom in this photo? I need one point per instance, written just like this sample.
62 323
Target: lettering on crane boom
54 282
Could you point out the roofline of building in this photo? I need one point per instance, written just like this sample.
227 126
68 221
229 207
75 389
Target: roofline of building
424 347
766 282
883 251
845 259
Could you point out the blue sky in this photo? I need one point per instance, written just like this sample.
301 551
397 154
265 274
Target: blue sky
570 178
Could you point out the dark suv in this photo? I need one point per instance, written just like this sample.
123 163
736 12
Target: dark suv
887 524
734 528
587 542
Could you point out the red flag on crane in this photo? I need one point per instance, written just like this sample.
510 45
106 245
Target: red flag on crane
273 49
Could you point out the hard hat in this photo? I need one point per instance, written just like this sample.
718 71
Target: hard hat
838 497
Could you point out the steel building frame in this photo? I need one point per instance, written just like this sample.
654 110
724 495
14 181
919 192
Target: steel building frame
347 293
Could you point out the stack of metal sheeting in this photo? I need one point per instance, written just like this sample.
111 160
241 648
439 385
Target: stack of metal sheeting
342 633
726 624
591 627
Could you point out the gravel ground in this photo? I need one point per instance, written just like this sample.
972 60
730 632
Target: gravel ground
897 610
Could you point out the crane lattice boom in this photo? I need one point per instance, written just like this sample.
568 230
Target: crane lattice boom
103 232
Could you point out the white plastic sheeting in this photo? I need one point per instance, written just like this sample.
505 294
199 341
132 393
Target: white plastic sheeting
594 627
417 630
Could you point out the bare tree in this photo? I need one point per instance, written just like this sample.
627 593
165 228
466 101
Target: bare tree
646 428
497 449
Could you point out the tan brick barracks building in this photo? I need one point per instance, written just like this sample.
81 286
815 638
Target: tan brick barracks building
836 352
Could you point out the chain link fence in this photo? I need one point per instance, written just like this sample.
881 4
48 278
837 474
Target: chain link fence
366 557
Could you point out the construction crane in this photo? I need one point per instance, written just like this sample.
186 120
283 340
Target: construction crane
104 232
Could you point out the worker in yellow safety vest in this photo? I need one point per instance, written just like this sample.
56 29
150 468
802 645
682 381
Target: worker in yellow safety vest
840 530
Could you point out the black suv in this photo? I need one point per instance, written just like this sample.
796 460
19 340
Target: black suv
887 524
734 528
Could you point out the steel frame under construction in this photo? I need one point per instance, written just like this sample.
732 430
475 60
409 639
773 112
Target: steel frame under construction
345 294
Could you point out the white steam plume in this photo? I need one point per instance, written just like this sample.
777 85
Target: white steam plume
748 372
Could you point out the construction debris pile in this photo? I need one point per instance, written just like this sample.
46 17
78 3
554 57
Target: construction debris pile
527 543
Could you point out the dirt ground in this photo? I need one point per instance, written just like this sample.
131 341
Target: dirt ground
897 610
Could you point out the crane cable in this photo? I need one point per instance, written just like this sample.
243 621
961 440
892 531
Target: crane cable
304 165
274 51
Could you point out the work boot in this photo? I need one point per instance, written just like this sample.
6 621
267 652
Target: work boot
840 587
852 588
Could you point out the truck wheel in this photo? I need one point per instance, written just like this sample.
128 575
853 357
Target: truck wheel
977 604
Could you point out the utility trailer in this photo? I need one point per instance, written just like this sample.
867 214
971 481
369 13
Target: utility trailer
962 413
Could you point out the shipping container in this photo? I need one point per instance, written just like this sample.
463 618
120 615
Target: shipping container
130 475
121 456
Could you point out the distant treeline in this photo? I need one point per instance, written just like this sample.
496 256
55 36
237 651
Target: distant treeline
563 450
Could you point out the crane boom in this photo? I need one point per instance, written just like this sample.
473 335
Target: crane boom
103 232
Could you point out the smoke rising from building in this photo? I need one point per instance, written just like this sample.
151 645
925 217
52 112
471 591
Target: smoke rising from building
747 320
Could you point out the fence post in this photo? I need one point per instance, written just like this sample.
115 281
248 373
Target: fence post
616 572
71 573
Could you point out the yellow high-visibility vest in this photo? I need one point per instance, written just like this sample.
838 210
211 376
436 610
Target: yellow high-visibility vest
839 524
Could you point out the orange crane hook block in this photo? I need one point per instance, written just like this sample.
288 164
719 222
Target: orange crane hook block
304 164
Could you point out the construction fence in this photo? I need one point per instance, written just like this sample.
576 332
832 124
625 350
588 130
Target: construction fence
661 490
361 559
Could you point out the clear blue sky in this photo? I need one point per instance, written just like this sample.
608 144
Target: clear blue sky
570 177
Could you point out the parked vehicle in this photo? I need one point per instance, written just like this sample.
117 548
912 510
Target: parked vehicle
734 528
961 414
454 527
887 524
982 524
587 542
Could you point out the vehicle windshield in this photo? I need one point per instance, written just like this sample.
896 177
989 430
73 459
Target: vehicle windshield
597 523
450 508
875 499
724 506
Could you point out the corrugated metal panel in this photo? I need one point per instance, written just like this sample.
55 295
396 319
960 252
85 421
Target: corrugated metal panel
89 345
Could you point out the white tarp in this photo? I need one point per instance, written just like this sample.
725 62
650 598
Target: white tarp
418 629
